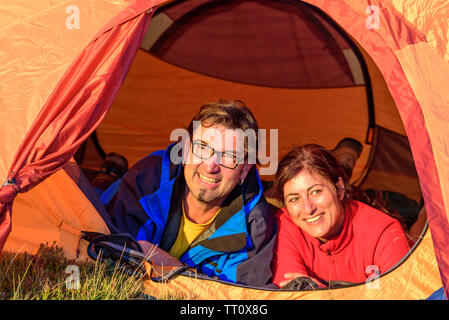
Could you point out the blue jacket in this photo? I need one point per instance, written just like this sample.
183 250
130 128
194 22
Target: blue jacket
237 247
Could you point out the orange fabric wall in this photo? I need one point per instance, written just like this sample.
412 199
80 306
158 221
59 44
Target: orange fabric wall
45 214
386 112
37 48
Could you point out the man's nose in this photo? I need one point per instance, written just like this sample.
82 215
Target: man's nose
212 164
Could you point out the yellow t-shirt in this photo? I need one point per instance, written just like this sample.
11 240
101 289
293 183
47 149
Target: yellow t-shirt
188 232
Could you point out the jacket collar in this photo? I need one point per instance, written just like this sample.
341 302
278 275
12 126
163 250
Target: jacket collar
228 232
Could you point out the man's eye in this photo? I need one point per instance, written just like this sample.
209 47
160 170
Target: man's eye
229 158
203 148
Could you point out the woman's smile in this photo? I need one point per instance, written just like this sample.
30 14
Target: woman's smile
316 219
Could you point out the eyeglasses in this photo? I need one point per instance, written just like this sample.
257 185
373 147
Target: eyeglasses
225 159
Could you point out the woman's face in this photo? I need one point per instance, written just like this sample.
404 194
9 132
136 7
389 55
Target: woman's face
314 204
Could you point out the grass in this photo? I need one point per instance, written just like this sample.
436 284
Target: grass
48 275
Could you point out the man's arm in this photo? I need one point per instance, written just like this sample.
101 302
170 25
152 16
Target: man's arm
256 271
125 209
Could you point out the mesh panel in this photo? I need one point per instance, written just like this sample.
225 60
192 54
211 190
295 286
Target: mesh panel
270 43
392 167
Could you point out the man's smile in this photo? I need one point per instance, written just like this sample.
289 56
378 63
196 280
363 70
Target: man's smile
207 179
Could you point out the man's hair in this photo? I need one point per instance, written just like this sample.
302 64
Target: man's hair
315 159
230 114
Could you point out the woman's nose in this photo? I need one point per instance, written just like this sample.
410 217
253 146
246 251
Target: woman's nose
309 206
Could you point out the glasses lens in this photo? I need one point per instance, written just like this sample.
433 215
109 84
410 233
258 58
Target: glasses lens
229 160
202 151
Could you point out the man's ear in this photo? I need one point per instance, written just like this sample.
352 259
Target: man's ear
341 190
246 168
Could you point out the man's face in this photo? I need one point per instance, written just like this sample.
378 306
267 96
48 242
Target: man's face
207 180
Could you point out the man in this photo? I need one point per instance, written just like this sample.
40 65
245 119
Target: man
208 212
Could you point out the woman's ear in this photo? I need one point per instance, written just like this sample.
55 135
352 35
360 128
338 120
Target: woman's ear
341 190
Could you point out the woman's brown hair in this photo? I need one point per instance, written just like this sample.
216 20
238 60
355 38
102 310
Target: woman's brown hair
314 158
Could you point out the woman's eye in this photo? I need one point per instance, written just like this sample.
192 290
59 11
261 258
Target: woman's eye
293 199
316 192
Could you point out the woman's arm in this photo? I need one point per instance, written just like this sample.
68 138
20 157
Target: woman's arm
288 263
391 247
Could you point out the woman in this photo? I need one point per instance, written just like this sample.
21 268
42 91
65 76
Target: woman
324 235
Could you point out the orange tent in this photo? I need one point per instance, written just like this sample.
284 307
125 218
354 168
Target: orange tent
387 90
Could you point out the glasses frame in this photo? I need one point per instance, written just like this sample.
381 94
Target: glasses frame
213 151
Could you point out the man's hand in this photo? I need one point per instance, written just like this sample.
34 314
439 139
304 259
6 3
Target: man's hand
158 256
163 265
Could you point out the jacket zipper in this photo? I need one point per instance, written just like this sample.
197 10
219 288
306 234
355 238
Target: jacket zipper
329 254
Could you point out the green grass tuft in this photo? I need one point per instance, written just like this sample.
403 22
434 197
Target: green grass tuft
43 277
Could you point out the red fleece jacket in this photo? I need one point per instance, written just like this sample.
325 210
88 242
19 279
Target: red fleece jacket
370 241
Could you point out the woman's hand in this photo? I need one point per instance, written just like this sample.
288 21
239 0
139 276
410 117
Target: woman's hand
293 275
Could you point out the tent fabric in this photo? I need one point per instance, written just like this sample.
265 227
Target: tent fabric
31 68
50 216
416 278
76 106
37 48
407 40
